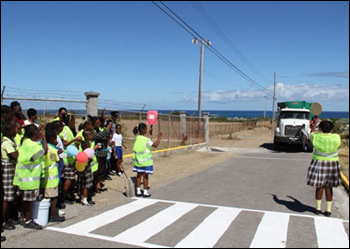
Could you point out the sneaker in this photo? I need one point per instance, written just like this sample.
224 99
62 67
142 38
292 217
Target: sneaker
85 202
57 219
91 203
9 226
146 195
3 238
33 225
120 174
328 214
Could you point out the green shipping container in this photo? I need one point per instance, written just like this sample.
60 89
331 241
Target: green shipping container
295 104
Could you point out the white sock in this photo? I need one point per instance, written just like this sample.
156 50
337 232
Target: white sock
145 192
138 191
84 200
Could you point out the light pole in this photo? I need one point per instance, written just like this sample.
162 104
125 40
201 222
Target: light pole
208 43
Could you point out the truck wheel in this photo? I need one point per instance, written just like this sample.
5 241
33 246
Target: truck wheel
310 147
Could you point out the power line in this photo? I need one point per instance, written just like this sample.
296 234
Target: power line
212 49
218 30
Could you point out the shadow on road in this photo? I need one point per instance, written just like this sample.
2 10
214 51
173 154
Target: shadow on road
292 148
294 205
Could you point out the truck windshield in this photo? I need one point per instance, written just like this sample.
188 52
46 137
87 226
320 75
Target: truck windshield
295 115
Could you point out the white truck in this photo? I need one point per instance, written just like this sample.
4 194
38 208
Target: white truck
292 115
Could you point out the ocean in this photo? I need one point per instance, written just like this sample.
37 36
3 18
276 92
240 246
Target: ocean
255 114
214 113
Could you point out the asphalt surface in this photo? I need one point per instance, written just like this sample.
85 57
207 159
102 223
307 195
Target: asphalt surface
257 199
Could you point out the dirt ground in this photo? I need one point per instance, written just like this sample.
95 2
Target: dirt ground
176 166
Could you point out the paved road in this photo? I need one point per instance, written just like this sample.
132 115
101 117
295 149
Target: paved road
257 199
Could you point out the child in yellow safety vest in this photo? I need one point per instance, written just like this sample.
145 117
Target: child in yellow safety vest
142 157
49 183
28 172
324 170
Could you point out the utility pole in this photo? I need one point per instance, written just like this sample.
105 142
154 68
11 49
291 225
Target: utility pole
200 81
273 105
265 107
208 43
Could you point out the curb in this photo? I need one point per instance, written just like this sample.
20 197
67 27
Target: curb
171 150
345 180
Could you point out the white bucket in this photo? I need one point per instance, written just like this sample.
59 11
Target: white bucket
40 212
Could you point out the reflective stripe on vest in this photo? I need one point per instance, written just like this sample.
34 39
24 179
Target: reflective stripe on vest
323 154
28 180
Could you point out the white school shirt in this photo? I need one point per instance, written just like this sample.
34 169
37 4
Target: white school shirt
60 145
117 139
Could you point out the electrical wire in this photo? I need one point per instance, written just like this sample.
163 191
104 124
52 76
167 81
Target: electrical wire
212 49
218 30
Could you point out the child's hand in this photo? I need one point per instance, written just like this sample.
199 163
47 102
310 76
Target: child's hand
78 139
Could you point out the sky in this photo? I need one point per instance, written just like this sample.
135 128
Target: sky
133 53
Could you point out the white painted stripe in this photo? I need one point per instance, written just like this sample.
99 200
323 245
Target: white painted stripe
106 238
331 233
272 231
143 231
243 209
207 234
91 224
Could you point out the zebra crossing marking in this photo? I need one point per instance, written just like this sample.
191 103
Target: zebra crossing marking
210 230
271 232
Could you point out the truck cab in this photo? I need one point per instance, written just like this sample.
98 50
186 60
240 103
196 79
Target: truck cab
291 117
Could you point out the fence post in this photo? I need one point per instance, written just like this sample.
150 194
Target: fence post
92 103
183 124
206 128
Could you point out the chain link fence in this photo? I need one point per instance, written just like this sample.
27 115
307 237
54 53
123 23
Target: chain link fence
178 128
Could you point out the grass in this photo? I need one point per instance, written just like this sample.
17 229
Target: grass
344 160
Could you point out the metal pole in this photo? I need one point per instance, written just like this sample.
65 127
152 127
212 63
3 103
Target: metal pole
265 107
2 93
200 81
273 105
141 113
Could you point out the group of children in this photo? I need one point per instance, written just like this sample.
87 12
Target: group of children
35 163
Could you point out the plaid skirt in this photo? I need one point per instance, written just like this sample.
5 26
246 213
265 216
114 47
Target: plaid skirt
10 191
324 174
85 179
29 195
69 171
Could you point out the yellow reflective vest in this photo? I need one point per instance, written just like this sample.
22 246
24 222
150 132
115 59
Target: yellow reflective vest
49 173
326 146
142 153
29 164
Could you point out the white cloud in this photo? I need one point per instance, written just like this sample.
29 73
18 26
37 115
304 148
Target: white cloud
284 92
312 93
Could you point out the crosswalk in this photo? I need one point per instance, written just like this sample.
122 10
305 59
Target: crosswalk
153 223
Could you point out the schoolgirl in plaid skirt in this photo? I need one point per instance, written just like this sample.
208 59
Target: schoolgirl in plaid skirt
324 170
9 156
